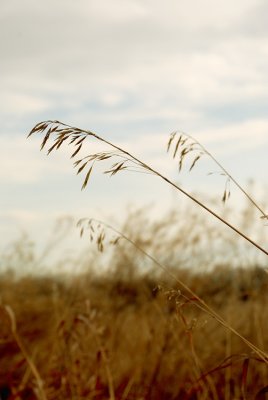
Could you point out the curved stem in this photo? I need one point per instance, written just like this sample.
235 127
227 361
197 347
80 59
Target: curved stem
227 174
155 172
204 306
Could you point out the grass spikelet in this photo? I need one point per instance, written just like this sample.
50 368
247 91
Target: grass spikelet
88 223
171 138
189 144
182 148
87 177
130 162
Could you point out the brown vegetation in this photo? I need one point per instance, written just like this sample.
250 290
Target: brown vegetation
134 335
173 317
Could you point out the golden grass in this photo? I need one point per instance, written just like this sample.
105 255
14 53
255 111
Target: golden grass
133 336
124 335
126 161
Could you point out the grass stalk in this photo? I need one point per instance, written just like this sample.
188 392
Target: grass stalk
225 172
200 302
126 161
24 352
77 136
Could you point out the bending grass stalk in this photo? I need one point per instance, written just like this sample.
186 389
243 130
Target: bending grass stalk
201 304
23 350
77 137
227 362
104 357
197 362
226 173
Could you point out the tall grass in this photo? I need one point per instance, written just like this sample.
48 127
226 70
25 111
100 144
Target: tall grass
134 333
183 336
126 161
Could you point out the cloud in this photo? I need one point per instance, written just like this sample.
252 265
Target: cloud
22 163
21 103
130 59
132 71
231 139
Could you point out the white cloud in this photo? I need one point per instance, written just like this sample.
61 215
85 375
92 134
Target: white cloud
132 70
22 163
180 56
238 137
21 103
231 139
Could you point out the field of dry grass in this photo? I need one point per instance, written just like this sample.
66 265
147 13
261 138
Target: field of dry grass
134 333
172 309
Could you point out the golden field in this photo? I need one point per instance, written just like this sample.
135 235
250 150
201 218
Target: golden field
132 331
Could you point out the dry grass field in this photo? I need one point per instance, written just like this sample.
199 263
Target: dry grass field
133 332
173 309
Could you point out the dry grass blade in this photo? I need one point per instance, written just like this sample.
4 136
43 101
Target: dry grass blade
227 362
171 138
67 132
80 169
177 146
97 232
116 168
77 150
195 145
41 126
244 378
76 137
227 191
45 140
194 162
87 177
23 350
226 195
88 223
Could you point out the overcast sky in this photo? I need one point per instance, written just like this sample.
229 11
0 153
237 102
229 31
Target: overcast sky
132 71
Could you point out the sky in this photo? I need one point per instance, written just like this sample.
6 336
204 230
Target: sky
133 72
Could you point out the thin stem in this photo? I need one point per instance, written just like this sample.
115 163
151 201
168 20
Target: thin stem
204 306
24 352
155 172
227 174
76 132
